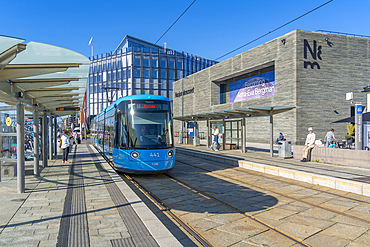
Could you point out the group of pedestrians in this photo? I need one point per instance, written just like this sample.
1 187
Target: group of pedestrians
310 142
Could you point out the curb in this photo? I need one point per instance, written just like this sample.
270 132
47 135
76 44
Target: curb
307 177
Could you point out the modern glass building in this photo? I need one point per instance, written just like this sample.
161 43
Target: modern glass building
138 67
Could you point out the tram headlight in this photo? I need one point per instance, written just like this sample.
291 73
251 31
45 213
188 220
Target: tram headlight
134 155
170 153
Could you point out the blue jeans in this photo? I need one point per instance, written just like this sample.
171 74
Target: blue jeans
216 140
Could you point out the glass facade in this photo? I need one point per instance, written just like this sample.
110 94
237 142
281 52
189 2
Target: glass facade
138 67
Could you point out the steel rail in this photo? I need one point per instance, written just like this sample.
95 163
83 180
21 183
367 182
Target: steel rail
296 199
203 241
238 211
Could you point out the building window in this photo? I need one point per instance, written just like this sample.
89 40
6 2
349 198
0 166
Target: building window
180 74
154 73
137 60
146 61
170 84
170 95
146 73
164 74
155 84
171 63
154 61
222 93
179 63
171 74
137 73
163 62
163 84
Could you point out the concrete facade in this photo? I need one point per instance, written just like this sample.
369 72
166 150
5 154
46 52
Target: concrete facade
342 65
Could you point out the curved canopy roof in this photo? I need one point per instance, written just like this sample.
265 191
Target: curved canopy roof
238 113
42 75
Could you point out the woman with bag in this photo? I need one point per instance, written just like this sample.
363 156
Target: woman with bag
65 144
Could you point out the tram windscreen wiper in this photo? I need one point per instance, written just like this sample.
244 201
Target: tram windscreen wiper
160 139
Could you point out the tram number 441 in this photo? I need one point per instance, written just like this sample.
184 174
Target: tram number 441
154 155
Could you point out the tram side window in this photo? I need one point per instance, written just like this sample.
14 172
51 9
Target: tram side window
121 130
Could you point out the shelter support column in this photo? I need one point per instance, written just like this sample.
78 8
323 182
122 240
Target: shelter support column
271 135
208 135
44 140
223 134
196 140
55 137
20 149
50 137
36 170
182 132
243 135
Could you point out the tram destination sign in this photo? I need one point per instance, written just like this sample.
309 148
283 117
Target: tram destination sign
68 109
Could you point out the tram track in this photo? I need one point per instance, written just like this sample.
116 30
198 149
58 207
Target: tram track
294 198
188 227
280 180
156 201
202 239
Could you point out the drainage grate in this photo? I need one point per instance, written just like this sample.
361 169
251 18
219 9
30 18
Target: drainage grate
123 242
136 228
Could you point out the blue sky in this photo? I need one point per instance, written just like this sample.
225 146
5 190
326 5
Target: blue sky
209 29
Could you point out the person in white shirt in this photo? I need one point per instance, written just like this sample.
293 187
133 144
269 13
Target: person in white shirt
216 133
65 144
309 144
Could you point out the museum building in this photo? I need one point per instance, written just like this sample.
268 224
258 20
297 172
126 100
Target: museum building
311 72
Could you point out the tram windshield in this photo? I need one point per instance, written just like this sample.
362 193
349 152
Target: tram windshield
148 124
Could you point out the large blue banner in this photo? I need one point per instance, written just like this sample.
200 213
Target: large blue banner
254 87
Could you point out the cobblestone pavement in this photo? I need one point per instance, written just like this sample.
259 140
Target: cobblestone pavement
68 200
311 215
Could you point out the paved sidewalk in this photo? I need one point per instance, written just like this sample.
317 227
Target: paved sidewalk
349 179
84 203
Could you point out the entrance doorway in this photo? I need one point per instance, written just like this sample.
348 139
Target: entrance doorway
233 135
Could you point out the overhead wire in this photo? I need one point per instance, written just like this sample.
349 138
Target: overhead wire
274 30
175 22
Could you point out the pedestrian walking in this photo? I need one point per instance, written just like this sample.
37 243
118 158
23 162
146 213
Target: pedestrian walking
65 144
330 137
75 137
216 133
309 144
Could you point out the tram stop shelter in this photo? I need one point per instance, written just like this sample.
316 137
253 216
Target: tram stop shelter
241 113
48 80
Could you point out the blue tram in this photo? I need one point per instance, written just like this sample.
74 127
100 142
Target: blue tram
135 133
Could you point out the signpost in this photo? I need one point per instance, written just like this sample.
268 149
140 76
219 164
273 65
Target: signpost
358 126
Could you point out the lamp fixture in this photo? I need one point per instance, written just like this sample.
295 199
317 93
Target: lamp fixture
326 39
283 41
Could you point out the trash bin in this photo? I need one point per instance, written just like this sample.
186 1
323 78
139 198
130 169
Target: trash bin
285 149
